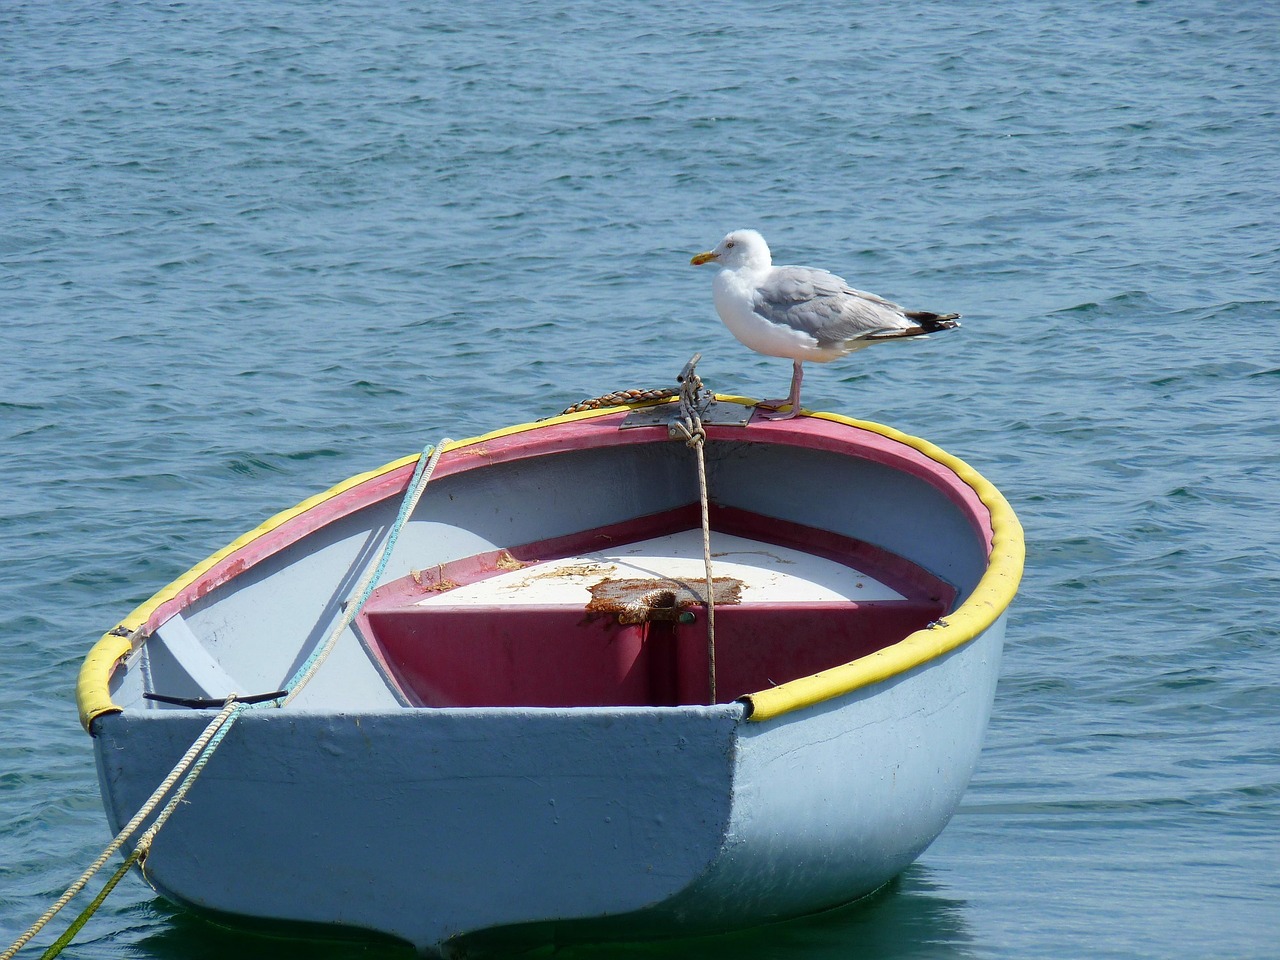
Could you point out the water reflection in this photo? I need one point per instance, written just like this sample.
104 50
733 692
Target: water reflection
911 919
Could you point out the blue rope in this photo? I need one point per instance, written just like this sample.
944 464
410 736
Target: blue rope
406 507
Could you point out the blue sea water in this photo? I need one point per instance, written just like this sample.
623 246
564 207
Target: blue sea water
248 249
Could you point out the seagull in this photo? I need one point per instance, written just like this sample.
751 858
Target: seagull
801 312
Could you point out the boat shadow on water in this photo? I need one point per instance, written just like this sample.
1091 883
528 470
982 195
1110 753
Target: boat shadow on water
911 918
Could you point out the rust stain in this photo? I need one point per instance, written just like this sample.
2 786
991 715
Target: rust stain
569 572
433 581
626 596
577 570
506 561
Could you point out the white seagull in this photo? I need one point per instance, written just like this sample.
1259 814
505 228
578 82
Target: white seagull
801 312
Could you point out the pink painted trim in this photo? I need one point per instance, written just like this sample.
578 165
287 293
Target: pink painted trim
912 581
815 433
365 494
565 436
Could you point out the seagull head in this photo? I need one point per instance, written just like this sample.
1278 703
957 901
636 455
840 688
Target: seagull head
742 248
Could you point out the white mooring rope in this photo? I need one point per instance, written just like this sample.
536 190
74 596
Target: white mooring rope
689 425
127 831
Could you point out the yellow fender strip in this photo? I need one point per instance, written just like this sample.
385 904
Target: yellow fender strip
92 696
990 598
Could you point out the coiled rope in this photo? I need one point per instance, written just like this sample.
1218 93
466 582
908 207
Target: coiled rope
198 754
621 397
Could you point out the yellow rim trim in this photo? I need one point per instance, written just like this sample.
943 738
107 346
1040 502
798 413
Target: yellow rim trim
989 599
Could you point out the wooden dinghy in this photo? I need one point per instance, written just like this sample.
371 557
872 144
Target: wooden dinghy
515 738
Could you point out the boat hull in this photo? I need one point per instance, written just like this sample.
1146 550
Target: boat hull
562 824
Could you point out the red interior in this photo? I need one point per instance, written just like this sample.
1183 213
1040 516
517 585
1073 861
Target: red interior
558 657
565 656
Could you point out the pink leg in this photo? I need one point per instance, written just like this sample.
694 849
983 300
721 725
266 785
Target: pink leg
797 376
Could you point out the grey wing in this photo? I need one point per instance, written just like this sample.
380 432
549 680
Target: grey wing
824 306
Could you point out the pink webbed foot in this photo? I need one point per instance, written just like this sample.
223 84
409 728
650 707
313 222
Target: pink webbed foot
792 402
769 409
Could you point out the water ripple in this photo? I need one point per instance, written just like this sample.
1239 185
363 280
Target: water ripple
251 253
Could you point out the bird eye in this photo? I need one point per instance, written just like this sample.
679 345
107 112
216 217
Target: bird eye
728 245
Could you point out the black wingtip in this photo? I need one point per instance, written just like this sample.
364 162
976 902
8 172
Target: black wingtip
933 322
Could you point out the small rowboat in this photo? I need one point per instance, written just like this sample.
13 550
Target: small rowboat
526 733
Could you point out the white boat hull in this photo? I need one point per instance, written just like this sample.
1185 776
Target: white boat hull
621 822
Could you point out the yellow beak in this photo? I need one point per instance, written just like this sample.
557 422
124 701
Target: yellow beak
702 258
